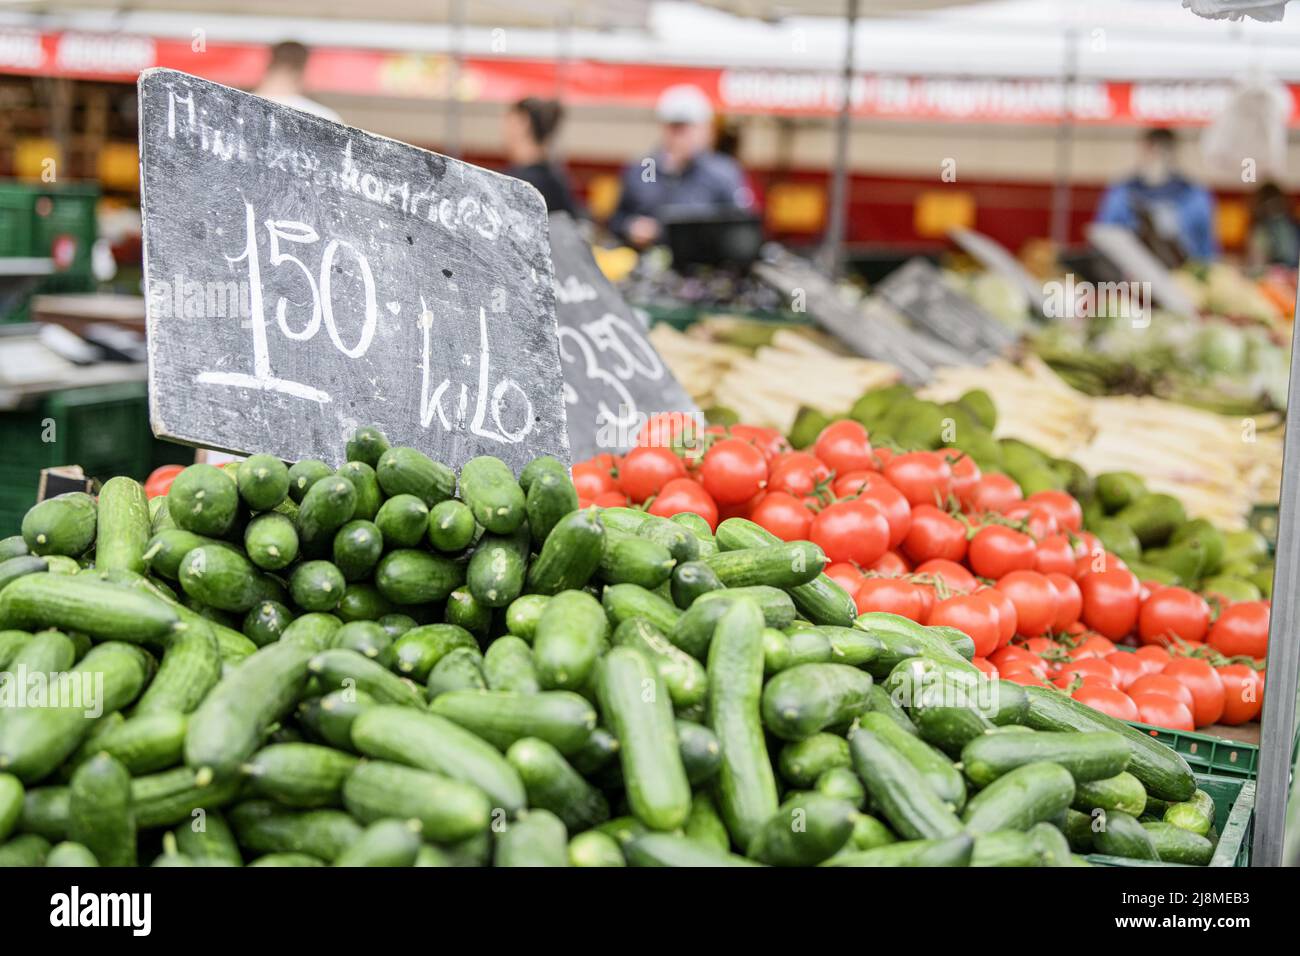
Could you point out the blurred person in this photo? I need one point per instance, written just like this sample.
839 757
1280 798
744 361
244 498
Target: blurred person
283 80
528 129
1274 234
685 171
1159 195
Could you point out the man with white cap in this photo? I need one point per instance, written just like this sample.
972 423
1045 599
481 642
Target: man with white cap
684 172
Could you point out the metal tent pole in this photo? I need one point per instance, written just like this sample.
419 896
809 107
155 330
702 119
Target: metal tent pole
453 131
1065 141
831 256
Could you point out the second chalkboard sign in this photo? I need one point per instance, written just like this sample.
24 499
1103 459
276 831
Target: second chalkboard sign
303 277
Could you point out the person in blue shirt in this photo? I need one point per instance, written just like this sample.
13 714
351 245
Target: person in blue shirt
1159 197
684 172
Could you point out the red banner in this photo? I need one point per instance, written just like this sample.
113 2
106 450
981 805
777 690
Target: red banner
421 76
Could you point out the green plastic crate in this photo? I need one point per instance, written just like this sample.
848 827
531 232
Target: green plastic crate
104 429
33 216
1206 754
1234 818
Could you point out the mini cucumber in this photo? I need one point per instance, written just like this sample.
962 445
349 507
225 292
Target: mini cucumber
936 769
262 827
552 784
299 774
570 555
625 601
415 653
803 700
508 665
899 790
146 743
1121 792
1087 756
784 565
821 600
1174 844
357 547
594 848
262 481
700 750
523 614
697 526
303 474
13 546
1195 815
383 843
1020 798
561 718
366 485
447 810
403 520
463 609
203 499
868 833
637 707
26 850
549 498
801 762
329 718
667 849
851 646
362 601
632 560
62 525
1051 845
692 579
364 637
47 652
105 612
451 526
681 544
314 631
495 575
171 797
367 444
167 548
571 634
397 625
271 541
99 811
705 825
407 471
950 728
45 812
417 577
746 784
490 491
1005 848
339 668
11 804
328 505
460 670
123 528
955 850
11 644
1122 835
221 578
537 838
682 674
782 651
14 568
598 752
70 854
805 830
541 465
694 628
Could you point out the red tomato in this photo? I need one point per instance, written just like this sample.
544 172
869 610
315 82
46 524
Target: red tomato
1063 507
784 515
1089 667
590 479
928 599
1035 600
733 471
1162 684
1110 602
1153 658
1055 555
1005 657
610 499
851 530
1173 613
1023 674
682 494
1085 542
1038 521
953 575
1097 561
742 509
844 447
972 614
1109 701
934 534
985 666
1045 647
1006 614
646 470
892 595
1128 668
891 565
891 503
1243 693
767 440
1242 630
965 475
924 477
845 575
997 550
1199 677
993 493
851 482
160 479
1161 710
1094 645
665 429
797 473
1069 601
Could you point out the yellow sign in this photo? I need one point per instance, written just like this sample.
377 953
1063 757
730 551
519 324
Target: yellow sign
796 207
935 212
38 159
1231 223
119 166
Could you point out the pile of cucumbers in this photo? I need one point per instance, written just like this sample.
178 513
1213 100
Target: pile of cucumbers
387 664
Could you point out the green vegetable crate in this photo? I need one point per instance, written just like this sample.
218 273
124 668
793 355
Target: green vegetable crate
1234 818
1209 755
34 216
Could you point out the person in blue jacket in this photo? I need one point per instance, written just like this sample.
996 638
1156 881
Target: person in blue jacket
685 172
1158 196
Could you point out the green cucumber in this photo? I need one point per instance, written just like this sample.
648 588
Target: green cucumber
70 854
221 578
383 843
229 724
1123 792
955 850
571 634
549 498
45 812
868 833
541 465
99 811
366 485
1005 848
328 505
537 838
599 751
694 628
303 474
405 471
523 614
465 610
705 824
960 641
508 665
451 526
26 850
447 809
820 600
936 769
357 547
64 524
203 499
13 546
679 542
950 728
396 625
561 718
697 526
570 555
14 568
842 784
880 701
317 586
700 750
637 707
329 718
314 631
623 602
784 565
746 784
807 829
146 743
495 574
1019 798
367 444
167 548
159 518
11 644
801 762
899 790
1174 844
682 674
103 611
417 577
667 849
1087 756
1052 846
266 621
271 541
624 519
801 646
364 637
630 560
403 520
692 579
1163 772
338 668
803 700
262 827
430 742
1121 835
489 488
171 797
208 840
299 775
552 783
594 848
415 653
123 526
362 601
48 652
263 482
1195 815
11 804
460 670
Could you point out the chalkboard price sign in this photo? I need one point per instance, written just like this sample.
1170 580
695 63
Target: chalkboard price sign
303 277
613 377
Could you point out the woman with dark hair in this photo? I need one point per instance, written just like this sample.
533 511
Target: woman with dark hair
1274 234
530 125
